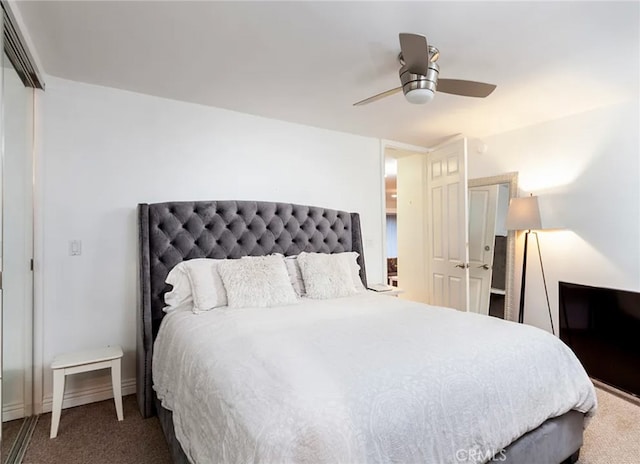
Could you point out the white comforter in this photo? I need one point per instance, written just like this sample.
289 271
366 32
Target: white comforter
367 378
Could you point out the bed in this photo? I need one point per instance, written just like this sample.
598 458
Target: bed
377 415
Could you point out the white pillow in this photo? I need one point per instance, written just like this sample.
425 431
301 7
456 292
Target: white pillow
295 274
206 284
257 282
351 257
180 295
327 275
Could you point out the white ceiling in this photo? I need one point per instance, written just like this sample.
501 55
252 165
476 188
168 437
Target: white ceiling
307 62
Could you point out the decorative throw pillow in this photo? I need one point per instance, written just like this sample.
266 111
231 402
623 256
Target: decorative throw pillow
257 282
206 284
295 274
326 275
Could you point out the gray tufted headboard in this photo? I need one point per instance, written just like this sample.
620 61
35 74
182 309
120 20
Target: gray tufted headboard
177 231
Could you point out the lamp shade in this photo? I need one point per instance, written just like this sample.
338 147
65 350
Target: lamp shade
523 214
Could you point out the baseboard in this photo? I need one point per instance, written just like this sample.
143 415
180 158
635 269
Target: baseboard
12 411
99 392
614 391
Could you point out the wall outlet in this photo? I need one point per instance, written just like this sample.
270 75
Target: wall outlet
75 247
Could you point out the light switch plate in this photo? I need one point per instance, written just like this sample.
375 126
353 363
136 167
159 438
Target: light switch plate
75 247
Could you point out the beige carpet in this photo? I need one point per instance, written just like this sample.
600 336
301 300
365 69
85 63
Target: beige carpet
91 434
613 436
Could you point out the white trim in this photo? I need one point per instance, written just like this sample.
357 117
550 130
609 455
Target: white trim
383 221
99 392
449 139
12 411
402 146
38 255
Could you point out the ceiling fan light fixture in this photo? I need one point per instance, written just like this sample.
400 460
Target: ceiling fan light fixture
419 96
417 88
419 75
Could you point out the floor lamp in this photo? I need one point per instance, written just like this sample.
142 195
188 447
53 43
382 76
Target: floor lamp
524 214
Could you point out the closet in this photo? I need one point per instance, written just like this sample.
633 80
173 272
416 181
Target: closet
18 83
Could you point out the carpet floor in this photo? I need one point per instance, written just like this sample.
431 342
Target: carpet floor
91 434
613 436
10 431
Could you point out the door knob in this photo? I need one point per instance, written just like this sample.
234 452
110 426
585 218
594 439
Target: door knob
484 266
462 265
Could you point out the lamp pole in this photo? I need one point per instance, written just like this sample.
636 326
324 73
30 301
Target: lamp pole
524 278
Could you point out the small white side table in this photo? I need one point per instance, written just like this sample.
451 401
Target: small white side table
388 290
83 361
395 292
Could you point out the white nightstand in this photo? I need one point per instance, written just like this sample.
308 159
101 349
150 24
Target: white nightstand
83 361
395 292
392 291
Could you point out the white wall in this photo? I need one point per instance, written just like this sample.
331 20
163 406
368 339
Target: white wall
585 170
105 150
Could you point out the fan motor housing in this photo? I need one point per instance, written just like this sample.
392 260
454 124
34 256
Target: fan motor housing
411 81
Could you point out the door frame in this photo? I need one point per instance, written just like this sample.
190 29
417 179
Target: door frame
486 276
510 178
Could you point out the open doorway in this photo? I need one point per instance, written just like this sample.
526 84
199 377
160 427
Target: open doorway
402 182
431 223
391 202
491 245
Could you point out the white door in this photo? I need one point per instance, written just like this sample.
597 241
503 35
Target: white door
483 202
411 207
447 231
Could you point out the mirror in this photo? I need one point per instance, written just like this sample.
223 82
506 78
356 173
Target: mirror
16 252
491 246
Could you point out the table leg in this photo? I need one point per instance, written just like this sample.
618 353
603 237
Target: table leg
117 387
58 394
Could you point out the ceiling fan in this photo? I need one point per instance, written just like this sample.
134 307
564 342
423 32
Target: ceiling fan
419 75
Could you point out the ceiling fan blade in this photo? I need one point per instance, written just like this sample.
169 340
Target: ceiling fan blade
378 97
465 88
415 53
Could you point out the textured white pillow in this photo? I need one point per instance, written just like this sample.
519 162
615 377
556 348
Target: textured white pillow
326 275
295 274
257 282
206 286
